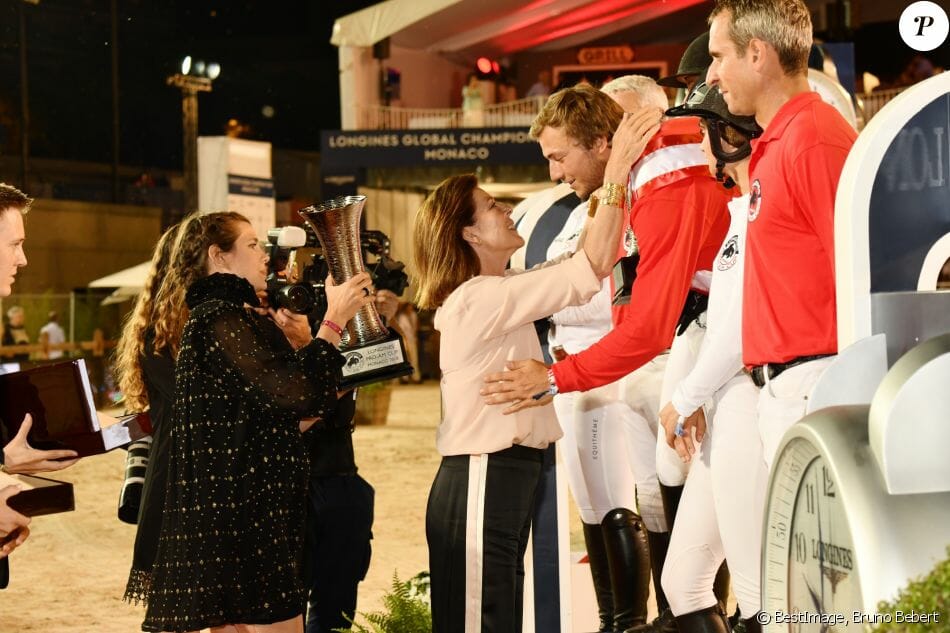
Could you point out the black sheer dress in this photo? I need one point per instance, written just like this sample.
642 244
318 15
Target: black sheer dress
232 535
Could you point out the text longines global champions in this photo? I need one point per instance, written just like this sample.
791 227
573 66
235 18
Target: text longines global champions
494 145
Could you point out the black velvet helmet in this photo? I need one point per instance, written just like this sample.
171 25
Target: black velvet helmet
707 102
695 61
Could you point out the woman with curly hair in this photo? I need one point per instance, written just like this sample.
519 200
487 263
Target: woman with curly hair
145 371
232 533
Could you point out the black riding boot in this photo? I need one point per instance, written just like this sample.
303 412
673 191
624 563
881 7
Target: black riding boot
671 502
628 556
735 620
711 620
721 585
600 573
659 544
664 622
751 625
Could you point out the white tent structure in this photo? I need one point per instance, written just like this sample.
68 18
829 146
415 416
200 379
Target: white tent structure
128 283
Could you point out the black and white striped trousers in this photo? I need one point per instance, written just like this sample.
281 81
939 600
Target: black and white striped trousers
477 524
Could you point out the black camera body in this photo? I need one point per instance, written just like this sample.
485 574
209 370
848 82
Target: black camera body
299 297
387 273
297 269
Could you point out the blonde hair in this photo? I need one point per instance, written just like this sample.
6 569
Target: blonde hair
646 89
442 259
783 24
584 113
131 345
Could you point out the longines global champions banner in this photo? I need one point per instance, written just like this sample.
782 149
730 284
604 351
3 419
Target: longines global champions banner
400 148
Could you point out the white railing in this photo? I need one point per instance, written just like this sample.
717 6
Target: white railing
518 113
871 103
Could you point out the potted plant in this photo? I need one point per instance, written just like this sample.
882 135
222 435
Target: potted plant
407 609
372 403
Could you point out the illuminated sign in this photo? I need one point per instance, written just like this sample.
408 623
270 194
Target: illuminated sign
399 148
605 55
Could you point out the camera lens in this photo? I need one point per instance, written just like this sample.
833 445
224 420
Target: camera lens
297 298
136 463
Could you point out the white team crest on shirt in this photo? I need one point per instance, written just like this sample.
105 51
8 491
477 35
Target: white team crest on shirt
729 254
630 242
755 200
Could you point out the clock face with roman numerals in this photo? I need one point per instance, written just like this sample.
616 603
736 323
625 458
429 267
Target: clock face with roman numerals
809 560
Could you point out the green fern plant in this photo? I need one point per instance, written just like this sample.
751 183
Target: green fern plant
406 610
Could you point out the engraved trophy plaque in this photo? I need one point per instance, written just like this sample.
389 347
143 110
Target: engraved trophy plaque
373 353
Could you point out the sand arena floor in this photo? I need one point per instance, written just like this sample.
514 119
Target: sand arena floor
70 575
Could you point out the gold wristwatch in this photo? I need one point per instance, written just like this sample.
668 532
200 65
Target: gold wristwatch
611 194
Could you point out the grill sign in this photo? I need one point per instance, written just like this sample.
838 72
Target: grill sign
605 55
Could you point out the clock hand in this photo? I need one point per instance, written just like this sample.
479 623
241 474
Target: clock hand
814 594
816 601
821 549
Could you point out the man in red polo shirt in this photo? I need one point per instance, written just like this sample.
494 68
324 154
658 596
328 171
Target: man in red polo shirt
789 322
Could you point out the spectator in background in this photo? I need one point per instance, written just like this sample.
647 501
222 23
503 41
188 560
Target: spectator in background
507 91
52 334
473 109
406 321
542 87
15 332
916 70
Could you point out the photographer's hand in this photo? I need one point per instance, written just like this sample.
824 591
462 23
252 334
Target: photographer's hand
20 457
294 326
386 304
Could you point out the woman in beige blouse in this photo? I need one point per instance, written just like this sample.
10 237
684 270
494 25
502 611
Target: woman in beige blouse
479 512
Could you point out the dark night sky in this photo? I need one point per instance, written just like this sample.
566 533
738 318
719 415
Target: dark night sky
274 53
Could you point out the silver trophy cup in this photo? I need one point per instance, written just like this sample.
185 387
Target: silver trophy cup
372 352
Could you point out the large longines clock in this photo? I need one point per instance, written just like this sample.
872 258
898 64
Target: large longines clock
810 552
836 541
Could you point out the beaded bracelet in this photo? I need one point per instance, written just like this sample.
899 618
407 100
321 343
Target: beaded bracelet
333 326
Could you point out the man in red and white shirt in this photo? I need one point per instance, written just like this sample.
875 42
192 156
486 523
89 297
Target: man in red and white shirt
677 220
789 321
678 216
